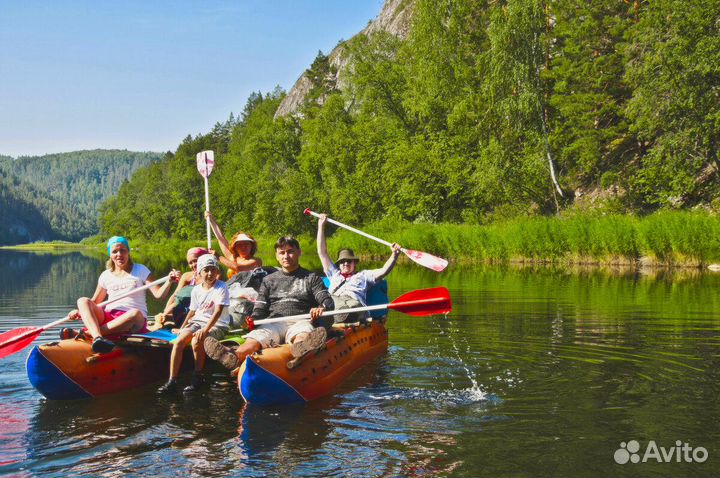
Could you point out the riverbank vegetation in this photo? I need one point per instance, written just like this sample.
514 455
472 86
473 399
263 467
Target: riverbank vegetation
663 239
676 238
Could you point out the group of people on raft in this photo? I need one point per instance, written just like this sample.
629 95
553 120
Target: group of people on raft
288 291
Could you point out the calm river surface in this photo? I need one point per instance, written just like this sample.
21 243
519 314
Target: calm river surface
535 373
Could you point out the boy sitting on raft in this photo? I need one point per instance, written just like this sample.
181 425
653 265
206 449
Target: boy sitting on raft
292 290
208 317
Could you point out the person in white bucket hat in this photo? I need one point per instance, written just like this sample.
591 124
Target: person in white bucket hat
208 317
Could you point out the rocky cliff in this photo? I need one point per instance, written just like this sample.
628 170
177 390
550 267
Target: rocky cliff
394 18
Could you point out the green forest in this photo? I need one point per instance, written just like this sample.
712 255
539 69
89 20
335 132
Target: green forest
57 196
487 111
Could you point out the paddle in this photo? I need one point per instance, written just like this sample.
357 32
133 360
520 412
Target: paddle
417 303
205 163
438 264
17 339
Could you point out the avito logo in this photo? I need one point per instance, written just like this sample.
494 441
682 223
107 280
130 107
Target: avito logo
681 452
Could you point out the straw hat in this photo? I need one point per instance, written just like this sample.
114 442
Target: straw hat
242 237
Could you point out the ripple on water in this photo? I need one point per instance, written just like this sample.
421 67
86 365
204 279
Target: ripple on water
580 363
452 398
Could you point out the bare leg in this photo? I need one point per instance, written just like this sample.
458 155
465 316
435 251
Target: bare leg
92 316
248 348
176 356
131 320
198 353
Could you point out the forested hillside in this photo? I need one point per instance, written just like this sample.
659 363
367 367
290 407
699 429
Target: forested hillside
57 196
20 205
486 110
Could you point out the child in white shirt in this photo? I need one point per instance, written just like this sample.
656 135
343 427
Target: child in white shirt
208 317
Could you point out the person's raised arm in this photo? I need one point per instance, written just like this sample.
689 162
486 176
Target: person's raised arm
390 263
224 245
322 244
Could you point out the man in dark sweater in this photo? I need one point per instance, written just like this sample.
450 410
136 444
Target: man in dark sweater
289 291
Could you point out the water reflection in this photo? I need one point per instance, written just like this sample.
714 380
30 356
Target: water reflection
538 371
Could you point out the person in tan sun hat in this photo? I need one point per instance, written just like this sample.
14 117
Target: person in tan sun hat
348 286
239 253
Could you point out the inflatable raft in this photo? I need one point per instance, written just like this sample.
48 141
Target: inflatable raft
68 369
266 379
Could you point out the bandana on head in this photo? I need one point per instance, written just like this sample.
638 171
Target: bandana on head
207 260
117 240
197 251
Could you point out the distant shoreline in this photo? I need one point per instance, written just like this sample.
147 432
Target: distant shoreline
43 246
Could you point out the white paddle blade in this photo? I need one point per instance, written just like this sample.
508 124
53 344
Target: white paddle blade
438 264
205 163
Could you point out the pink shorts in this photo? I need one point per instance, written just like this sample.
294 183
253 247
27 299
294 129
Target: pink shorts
114 314
111 315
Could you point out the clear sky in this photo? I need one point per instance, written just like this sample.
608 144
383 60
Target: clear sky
143 74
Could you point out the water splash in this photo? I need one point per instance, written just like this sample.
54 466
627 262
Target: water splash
475 390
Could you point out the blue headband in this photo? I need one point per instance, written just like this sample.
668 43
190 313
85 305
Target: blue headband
117 240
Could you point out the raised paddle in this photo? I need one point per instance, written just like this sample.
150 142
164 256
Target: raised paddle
205 163
438 264
418 303
17 339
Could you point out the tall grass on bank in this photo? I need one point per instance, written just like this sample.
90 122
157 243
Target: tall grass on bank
667 238
671 238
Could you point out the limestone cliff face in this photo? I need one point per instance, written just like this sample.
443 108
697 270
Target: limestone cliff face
394 18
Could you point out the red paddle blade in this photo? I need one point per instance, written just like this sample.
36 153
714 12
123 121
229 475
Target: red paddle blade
438 264
17 339
423 302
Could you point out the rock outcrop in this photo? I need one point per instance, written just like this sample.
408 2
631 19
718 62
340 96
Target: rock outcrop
394 18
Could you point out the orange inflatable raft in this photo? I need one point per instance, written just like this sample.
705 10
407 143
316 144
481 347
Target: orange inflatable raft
69 369
266 379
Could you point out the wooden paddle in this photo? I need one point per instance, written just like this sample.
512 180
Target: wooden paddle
438 264
417 303
17 339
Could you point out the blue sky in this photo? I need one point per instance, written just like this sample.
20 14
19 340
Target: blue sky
142 75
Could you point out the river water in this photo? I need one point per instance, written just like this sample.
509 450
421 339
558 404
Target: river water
536 372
